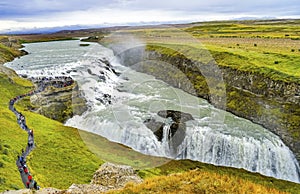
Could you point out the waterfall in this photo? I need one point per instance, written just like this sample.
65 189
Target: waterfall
118 108
166 138
269 157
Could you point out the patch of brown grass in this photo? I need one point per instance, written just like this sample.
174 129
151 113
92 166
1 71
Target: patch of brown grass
197 181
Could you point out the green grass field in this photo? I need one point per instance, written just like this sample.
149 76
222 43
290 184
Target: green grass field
271 48
287 29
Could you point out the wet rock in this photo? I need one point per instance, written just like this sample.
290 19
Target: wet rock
90 72
156 127
176 116
72 70
23 52
177 128
102 78
116 73
84 44
105 99
106 62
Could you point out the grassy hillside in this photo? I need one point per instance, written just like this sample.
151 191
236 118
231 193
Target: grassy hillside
48 163
7 53
58 160
197 182
271 48
207 177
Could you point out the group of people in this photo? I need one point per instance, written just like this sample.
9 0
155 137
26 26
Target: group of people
25 175
42 83
27 179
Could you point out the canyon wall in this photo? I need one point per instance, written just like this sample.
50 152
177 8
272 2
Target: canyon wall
273 104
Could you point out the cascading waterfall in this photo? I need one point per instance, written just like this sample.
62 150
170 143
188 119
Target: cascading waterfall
233 142
267 156
166 138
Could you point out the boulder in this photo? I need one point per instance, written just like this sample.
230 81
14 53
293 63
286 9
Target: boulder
177 128
115 176
177 116
156 127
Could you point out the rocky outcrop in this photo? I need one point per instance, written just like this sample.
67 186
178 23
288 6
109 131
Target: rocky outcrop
176 124
177 116
108 177
115 176
156 127
9 49
59 103
273 104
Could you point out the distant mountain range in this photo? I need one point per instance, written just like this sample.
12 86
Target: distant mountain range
48 30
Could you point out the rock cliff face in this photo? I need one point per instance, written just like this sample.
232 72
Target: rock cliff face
59 103
177 127
271 103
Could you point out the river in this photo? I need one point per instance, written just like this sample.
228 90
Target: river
119 105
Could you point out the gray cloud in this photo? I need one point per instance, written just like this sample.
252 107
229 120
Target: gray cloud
113 11
220 6
13 8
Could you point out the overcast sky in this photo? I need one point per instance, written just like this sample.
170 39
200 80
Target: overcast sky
22 14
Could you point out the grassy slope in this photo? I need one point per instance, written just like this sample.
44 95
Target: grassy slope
58 160
238 177
197 182
269 48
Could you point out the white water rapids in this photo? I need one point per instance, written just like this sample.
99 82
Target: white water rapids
120 104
